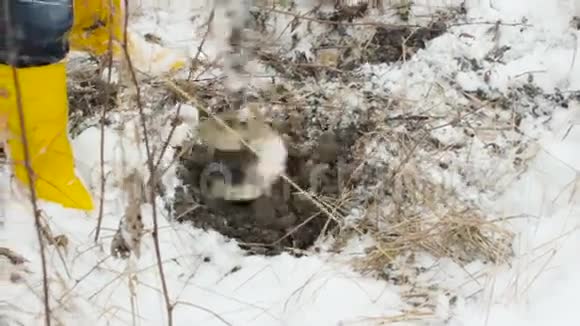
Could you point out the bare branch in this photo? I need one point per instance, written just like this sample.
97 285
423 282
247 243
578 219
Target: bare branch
152 185
29 171
33 197
103 117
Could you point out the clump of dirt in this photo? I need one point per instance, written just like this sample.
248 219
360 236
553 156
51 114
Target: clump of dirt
391 44
285 220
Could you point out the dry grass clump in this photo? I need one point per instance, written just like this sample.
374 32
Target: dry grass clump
424 217
415 215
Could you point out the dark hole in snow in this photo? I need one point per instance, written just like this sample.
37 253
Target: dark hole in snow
285 221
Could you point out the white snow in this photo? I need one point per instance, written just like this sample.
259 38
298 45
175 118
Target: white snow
214 283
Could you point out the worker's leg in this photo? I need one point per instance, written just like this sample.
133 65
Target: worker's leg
33 40
100 25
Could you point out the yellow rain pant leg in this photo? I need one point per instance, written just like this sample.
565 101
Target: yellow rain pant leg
95 22
44 101
98 21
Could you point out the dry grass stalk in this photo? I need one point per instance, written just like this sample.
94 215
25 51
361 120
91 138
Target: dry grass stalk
405 316
153 173
32 190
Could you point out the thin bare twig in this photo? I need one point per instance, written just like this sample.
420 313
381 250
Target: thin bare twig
220 318
33 197
331 22
27 164
103 117
189 76
152 185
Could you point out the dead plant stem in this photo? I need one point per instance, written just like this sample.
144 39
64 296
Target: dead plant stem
33 198
189 76
152 172
27 164
103 117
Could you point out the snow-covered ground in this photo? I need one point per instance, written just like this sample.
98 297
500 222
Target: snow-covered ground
212 282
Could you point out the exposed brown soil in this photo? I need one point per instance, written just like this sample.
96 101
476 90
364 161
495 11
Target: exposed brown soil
286 219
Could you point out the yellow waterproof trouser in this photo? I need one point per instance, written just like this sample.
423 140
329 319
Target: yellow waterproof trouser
43 97
100 24
95 23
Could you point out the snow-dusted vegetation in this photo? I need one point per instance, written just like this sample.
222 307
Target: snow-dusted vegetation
387 162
